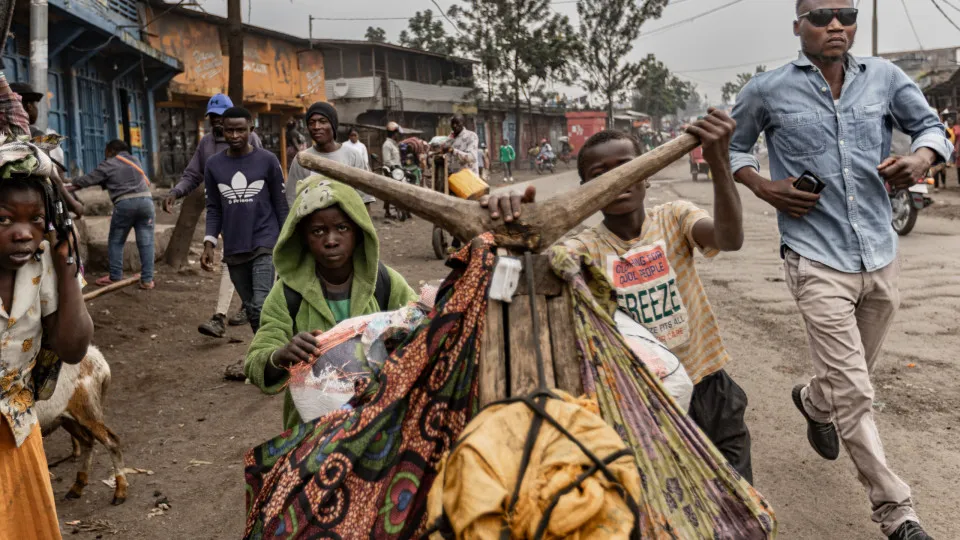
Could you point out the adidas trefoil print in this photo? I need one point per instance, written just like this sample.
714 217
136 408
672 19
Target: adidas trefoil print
239 191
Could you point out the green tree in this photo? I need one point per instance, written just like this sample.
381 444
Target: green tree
607 32
376 34
695 103
658 92
427 33
730 90
523 44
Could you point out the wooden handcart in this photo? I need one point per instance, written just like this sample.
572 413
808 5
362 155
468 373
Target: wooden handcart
510 343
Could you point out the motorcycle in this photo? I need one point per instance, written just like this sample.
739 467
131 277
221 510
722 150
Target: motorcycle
906 204
545 163
698 165
400 174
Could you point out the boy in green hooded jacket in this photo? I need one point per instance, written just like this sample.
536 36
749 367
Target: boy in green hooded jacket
327 260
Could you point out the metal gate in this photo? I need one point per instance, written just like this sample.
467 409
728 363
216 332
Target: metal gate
178 137
94 117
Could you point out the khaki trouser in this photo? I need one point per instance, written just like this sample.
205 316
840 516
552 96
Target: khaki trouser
847 318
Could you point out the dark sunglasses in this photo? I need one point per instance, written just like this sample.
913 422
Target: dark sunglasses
823 17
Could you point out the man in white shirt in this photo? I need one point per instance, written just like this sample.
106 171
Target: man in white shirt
354 143
391 154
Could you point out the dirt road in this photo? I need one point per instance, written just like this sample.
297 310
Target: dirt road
178 418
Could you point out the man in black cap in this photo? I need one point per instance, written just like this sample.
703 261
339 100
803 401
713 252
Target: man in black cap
322 123
31 101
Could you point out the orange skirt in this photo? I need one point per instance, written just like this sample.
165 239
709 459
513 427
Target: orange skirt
27 510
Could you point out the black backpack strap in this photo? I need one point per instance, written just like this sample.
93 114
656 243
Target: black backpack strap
294 299
382 290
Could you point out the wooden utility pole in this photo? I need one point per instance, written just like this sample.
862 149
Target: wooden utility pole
876 27
235 50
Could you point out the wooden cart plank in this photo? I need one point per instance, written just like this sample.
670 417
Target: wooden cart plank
493 358
523 359
566 359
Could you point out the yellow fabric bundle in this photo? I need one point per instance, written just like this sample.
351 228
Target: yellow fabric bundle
474 487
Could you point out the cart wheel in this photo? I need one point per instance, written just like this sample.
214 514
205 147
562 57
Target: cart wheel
440 243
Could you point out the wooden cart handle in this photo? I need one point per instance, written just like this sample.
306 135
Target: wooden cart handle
541 224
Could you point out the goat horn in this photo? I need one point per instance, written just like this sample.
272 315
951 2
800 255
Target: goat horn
541 224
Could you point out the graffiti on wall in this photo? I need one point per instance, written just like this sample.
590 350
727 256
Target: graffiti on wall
276 71
207 65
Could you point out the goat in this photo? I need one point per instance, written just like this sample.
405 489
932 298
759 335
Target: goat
77 406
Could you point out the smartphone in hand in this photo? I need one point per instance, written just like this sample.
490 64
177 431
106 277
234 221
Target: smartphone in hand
809 182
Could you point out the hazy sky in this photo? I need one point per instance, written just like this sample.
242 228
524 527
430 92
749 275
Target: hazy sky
709 50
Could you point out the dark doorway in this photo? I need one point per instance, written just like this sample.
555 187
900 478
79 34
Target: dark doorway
124 126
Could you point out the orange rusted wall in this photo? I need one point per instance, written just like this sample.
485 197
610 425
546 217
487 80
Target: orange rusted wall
313 77
276 73
197 44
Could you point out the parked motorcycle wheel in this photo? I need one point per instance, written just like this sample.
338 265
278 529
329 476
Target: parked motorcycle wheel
904 212
440 243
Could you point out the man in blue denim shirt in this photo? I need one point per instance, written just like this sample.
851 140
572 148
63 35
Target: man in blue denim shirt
832 114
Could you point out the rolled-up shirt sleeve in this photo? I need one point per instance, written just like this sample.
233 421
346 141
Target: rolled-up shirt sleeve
915 117
750 113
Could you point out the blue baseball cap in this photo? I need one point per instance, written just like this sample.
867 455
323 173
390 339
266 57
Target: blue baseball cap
218 104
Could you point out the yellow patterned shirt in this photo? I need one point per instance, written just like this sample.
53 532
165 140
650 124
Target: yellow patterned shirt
657 283
34 297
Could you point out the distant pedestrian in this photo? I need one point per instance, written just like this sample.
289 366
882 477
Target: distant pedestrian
390 155
122 176
532 154
483 160
462 148
210 145
322 124
31 101
831 114
353 141
295 141
507 156
246 204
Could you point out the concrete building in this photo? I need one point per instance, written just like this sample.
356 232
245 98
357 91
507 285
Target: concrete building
101 76
282 76
497 121
373 83
927 67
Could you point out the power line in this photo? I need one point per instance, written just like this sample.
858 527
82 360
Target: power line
910 20
361 18
690 19
719 68
945 16
444 13
951 5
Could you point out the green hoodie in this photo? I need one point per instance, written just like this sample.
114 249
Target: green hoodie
507 155
296 268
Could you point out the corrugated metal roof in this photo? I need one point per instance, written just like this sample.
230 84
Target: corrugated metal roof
391 46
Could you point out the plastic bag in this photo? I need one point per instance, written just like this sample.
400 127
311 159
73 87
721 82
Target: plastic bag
663 363
353 349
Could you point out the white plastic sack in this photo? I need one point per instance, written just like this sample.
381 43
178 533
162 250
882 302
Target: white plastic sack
657 358
354 348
